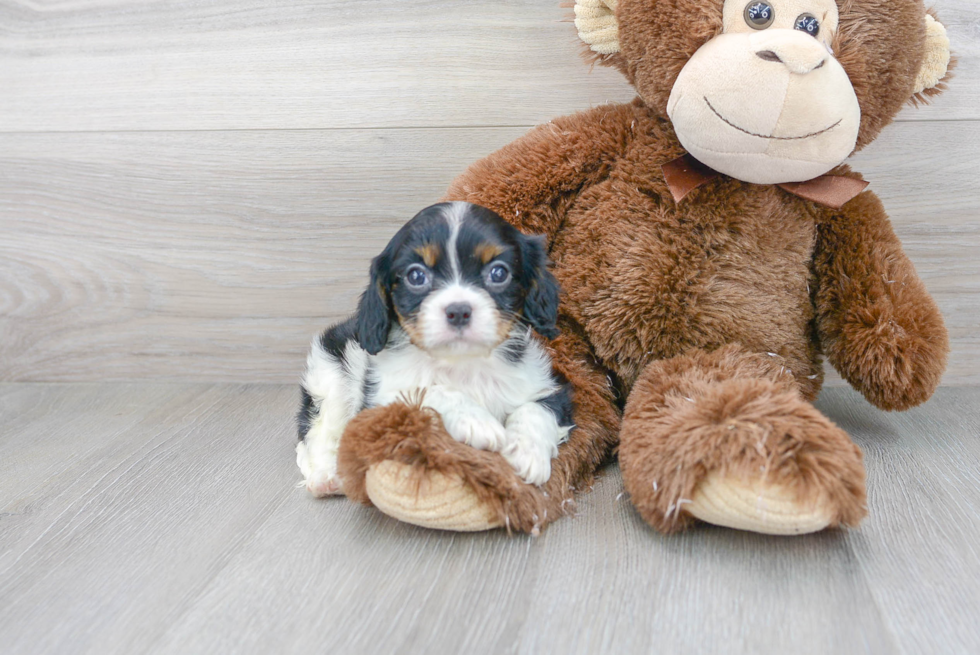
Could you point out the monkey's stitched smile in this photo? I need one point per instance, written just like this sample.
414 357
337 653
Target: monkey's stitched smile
763 136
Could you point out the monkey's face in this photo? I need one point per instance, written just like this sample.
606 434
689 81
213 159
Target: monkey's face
771 91
766 101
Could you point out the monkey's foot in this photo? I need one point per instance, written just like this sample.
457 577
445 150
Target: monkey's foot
750 504
428 499
400 459
749 454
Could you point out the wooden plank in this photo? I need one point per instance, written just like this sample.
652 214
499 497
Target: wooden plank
920 547
109 559
247 64
216 256
40 452
602 582
186 535
709 590
327 574
102 556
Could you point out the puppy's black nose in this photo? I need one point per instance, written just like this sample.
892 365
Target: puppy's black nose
458 314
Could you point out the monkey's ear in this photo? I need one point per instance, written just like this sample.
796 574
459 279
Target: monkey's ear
597 26
374 310
935 61
541 302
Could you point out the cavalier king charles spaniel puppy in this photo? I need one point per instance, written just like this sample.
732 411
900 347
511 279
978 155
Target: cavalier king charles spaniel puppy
447 317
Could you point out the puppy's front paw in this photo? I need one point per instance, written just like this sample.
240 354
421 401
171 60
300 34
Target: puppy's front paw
324 483
531 460
475 427
320 473
533 435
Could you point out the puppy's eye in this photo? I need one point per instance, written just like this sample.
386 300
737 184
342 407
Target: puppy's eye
498 274
808 23
759 15
417 277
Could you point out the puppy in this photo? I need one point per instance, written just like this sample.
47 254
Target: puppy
448 312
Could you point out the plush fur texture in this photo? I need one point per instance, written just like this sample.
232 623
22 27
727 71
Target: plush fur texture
877 323
737 413
710 315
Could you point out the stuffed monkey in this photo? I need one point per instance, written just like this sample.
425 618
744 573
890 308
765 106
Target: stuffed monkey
712 248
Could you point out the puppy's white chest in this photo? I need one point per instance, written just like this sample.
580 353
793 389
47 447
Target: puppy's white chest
496 384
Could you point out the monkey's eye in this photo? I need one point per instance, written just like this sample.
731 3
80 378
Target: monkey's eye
498 275
416 277
809 24
759 15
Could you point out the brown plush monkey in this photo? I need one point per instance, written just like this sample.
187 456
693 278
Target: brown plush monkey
712 247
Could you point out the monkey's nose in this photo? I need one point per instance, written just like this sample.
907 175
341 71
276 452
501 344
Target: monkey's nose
768 55
458 314
798 52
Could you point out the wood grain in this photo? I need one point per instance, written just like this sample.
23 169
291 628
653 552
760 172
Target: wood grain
215 256
164 520
248 64
148 494
920 549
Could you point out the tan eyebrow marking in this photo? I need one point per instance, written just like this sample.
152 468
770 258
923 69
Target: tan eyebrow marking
486 252
429 253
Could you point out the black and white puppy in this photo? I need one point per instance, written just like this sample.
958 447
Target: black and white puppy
449 311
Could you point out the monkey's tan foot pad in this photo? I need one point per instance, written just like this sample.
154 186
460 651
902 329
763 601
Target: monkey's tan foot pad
757 507
430 499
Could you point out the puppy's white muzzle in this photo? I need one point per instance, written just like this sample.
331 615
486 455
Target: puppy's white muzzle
443 331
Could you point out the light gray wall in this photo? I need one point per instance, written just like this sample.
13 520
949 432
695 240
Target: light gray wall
190 190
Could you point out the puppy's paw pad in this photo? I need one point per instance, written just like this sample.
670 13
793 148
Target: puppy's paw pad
322 484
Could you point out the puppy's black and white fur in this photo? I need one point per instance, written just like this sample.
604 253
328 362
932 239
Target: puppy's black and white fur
449 311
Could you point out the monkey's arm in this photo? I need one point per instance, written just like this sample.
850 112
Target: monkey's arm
532 181
878 325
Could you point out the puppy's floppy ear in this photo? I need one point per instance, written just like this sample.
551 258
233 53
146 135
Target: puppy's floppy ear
374 310
541 302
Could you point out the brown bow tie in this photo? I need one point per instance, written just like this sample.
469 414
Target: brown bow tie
685 174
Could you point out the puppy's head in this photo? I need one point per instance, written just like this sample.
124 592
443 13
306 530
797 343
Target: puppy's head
457 278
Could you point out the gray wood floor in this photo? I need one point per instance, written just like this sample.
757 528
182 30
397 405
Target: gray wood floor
164 518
